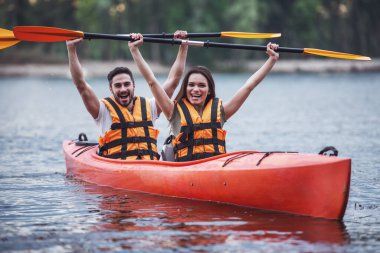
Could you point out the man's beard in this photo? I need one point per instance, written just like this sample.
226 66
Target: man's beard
125 103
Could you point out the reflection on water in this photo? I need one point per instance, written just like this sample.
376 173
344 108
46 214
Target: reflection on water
188 223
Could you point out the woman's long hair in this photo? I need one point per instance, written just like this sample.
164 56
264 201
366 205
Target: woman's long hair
197 70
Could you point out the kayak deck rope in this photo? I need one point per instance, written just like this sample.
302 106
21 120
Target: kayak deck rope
84 149
80 148
229 160
273 152
266 154
83 144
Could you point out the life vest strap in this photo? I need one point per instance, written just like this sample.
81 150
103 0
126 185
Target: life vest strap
188 134
197 156
198 142
201 126
122 120
139 153
214 116
128 140
116 126
144 117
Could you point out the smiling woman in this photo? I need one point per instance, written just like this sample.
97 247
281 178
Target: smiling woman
200 87
197 91
196 115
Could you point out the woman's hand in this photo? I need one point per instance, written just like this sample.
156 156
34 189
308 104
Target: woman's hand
137 41
270 51
179 34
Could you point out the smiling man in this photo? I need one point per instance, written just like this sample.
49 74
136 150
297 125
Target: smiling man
126 121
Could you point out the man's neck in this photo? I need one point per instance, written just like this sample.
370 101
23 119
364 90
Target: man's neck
131 105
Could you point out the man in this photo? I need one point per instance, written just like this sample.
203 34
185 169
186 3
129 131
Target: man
126 120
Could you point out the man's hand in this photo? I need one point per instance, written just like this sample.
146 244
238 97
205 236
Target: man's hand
73 43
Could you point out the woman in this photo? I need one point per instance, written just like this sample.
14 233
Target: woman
196 115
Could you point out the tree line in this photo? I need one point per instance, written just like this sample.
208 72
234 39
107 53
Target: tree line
338 25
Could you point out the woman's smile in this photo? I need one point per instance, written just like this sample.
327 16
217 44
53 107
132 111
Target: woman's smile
197 89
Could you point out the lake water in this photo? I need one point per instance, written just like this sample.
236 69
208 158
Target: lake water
43 211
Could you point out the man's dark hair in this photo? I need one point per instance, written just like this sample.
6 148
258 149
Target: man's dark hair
119 70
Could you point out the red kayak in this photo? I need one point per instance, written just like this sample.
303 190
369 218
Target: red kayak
296 183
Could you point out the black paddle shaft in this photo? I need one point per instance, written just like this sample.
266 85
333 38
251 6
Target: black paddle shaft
151 35
129 38
252 47
192 43
189 35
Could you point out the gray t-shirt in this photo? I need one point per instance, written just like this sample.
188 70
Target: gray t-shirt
104 120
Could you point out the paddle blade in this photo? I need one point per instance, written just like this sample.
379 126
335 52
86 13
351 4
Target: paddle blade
45 34
7 38
245 35
333 54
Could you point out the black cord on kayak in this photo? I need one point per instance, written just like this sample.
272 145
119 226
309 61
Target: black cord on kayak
264 156
229 160
80 148
85 150
273 152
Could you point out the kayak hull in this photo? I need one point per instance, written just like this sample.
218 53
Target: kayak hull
303 184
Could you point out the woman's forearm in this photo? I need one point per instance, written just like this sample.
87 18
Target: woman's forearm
260 74
162 99
176 71
143 67
232 106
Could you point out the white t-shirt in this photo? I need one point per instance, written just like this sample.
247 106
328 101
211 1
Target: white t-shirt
104 120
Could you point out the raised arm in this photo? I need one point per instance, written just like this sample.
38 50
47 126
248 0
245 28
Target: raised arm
178 66
88 95
242 94
162 99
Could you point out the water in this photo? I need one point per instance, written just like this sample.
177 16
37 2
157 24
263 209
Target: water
43 211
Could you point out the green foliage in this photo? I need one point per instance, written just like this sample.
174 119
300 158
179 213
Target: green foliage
339 25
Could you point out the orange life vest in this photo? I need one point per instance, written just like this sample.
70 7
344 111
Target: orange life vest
200 137
132 136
